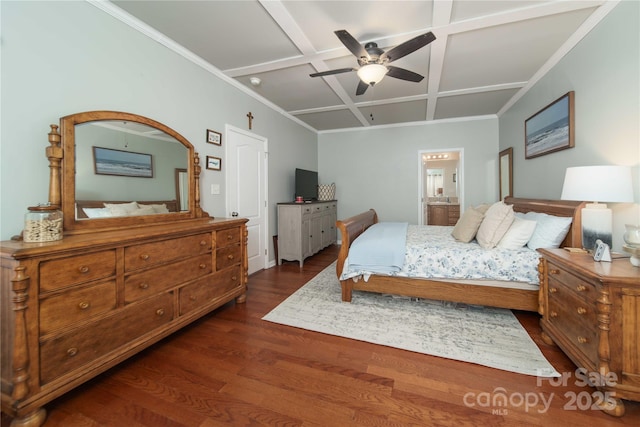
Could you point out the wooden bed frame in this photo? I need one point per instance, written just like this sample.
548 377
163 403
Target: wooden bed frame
518 299
172 205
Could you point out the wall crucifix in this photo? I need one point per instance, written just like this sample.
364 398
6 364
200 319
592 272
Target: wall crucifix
250 117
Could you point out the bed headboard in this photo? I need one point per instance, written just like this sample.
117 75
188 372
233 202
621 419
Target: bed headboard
567 208
172 205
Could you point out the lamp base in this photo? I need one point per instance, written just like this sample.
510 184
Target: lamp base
597 222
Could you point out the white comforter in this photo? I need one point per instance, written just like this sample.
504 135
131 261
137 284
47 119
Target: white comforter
432 252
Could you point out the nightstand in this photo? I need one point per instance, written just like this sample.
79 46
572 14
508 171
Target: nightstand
591 310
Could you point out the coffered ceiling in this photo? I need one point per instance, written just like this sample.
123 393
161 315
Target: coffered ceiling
485 56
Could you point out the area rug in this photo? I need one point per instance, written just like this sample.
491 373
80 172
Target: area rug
482 335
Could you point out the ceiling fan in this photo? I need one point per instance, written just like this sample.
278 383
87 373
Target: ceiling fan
373 60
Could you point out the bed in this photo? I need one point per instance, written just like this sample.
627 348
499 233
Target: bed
504 294
96 208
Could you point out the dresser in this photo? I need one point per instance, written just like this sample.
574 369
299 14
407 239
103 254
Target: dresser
591 310
73 308
305 228
443 214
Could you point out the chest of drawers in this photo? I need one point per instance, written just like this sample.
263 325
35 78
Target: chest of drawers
74 308
590 310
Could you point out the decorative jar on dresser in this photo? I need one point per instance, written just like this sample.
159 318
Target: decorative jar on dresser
591 310
73 308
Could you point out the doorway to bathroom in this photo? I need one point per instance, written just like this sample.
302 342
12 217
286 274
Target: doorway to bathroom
440 186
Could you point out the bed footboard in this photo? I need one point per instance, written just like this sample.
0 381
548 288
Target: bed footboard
350 229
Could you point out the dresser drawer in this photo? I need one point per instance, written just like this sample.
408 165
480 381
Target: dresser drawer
576 320
559 277
76 306
64 272
150 282
206 291
72 350
140 256
227 256
227 237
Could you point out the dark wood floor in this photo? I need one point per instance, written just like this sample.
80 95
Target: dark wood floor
232 368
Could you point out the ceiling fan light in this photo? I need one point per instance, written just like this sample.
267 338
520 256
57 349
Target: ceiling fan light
372 73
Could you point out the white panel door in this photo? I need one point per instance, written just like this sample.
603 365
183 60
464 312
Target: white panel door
246 176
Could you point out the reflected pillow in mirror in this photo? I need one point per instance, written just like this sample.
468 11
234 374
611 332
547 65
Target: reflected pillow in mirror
161 208
144 210
131 206
97 212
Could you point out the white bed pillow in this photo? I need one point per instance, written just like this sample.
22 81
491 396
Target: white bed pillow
550 230
97 212
518 234
495 224
467 226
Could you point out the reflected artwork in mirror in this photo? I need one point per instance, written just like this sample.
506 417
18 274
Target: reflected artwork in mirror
94 200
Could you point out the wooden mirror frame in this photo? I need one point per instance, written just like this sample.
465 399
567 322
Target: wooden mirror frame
505 166
62 193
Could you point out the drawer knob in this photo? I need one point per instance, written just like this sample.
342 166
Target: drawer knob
582 340
203 243
581 288
553 290
144 257
229 236
160 312
230 257
554 271
202 266
234 278
72 351
84 305
582 310
553 314
143 285
84 269
192 297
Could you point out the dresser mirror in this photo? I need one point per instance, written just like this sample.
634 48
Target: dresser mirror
505 162
120 170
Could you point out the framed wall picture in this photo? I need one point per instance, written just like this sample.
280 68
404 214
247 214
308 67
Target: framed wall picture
107 161
550 129
214 137
214 163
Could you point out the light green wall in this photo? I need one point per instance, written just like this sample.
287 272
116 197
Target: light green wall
379 167
603 70
60 58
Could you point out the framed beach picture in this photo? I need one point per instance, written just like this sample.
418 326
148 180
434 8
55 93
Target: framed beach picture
550 129
214 163
107 161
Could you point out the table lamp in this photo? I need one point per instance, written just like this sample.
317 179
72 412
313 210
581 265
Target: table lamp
597 184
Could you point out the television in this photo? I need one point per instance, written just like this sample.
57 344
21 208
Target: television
306 184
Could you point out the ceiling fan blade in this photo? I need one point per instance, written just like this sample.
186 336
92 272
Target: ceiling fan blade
331 72
402 74
362 87
352 44
407 47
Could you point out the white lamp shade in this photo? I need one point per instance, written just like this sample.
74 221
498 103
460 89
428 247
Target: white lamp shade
598 184
372 73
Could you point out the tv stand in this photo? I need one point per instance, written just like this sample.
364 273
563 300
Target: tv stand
305 228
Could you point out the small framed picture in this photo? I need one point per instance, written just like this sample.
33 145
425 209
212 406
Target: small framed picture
214 137
214 163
